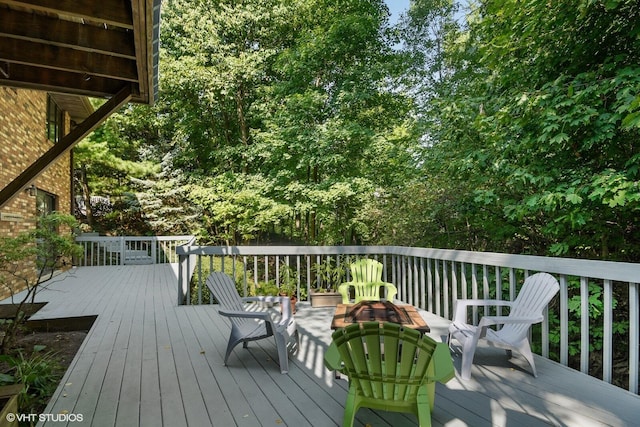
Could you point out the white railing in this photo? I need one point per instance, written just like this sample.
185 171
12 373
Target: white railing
433 279
103 250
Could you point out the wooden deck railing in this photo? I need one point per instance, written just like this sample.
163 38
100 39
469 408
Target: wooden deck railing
103 250
433 279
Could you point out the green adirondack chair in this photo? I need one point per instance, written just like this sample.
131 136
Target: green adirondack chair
366 276
389 367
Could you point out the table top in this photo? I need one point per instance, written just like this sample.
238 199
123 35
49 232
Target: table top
366 311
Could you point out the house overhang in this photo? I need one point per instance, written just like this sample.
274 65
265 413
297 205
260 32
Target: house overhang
79 48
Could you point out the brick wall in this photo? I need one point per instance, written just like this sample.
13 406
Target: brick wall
22 140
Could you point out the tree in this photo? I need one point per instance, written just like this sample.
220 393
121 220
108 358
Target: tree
334 130
534 132
106 162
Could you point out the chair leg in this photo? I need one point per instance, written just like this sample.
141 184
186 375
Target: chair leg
424 406
232 343
468 351
283 354
525 350
350 408
234 340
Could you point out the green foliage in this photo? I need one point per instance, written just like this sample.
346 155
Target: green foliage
329 274
266 288
274 119
532 130
49 246
39 374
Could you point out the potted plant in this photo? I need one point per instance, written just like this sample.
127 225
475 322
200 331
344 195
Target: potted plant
329 274
266 289
288 285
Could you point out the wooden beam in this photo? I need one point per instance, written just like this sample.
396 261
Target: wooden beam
65 59
57 32
112 12
65 144
30 77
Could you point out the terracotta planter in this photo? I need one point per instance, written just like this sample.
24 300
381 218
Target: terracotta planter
325 299
9 396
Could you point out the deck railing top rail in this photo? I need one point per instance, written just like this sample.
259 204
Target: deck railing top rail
609 270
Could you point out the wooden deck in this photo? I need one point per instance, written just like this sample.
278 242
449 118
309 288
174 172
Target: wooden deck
148 362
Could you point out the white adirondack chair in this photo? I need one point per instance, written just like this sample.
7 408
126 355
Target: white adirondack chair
526 310
254 325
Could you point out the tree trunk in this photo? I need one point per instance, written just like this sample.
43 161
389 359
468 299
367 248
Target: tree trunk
86 194
242 122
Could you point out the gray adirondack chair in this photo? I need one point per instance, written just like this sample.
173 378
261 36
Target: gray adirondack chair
525 310
249 325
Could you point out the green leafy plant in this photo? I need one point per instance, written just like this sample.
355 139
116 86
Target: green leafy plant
288 281
329 274
49 246
38 372
266 288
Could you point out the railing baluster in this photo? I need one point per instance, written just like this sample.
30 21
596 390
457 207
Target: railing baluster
607 342
454 285
445 288
430 283
634 331
485 286
564 320
423 285
584 325
437 281
474 291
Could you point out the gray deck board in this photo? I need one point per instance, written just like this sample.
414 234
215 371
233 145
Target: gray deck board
148 362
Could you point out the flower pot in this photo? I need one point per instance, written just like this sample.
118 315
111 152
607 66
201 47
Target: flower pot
325 299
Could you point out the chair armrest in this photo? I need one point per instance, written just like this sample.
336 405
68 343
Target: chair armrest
265 298
502 320
460 314
332 359
344 291
391 289
441 367
261 315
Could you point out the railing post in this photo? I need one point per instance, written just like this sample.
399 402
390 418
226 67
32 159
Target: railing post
181 259
154 250
123 249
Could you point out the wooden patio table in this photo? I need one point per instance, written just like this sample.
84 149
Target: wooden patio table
381 311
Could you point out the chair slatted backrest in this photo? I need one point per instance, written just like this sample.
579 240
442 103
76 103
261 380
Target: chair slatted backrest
366 270
224 290
367 277
536 292
385 361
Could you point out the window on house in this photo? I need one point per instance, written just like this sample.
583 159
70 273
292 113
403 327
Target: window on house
45 202
54 120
